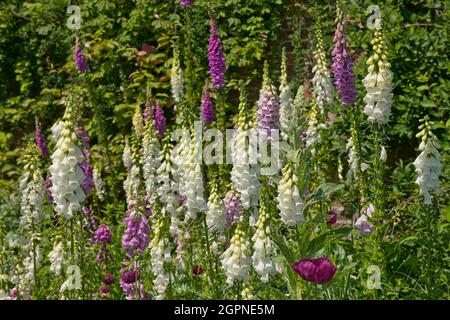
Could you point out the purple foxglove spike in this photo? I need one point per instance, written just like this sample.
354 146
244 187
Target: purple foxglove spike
160 120
79 58
208 113
186 3
40 141
216 59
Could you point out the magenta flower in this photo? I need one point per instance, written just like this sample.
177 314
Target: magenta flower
333 217
136 235
343 66
82 134
104 289
108 280
128 284
186 3
47 185
79 59
208 114
102 235
216 59
268 107
160 120
40 141
318 271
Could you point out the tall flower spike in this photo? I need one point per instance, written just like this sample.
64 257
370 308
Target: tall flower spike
342 62
216 59
150 161
160 255
208 114
66 174
236 259
428 164
268 106
263 247
99 183
79 58
176 77
285 99
233 208
215 217
322 84
378 82
297 117
40 141
138 123
245 171
290 202
160 120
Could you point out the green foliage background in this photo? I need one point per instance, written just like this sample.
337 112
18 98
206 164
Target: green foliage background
36 68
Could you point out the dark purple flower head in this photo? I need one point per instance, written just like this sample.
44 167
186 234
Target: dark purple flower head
216 59
104 289
88 183
318 271
108 280
40 141
181 199
197 270
160 120
208 113
303 135
233 208
343 65
102 235
333 217
136 235
79 59
130 276
186 3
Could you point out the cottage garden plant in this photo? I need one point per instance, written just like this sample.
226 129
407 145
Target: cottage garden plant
197 186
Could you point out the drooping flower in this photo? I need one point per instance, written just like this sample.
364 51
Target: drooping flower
66 174
216 59
318 271
108 280
264 249
247 293
268 106
236 259
353 159
98 183
40 141
378 82
245 171
186 3
322 85
176 77
131 284
215 217
191 184
286 113
333 217
138 122
56 257
79 58
160 255
103 237
362 223
290 202
428 164
233 208
342 62
208 113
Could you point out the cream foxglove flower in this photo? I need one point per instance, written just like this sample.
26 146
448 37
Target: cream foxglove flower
263 248
428 164
160 255
353 160
65 173
285 100
176 77
322 84
98 183
150 161
56 257
236 259
378 83
215 217
289 200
